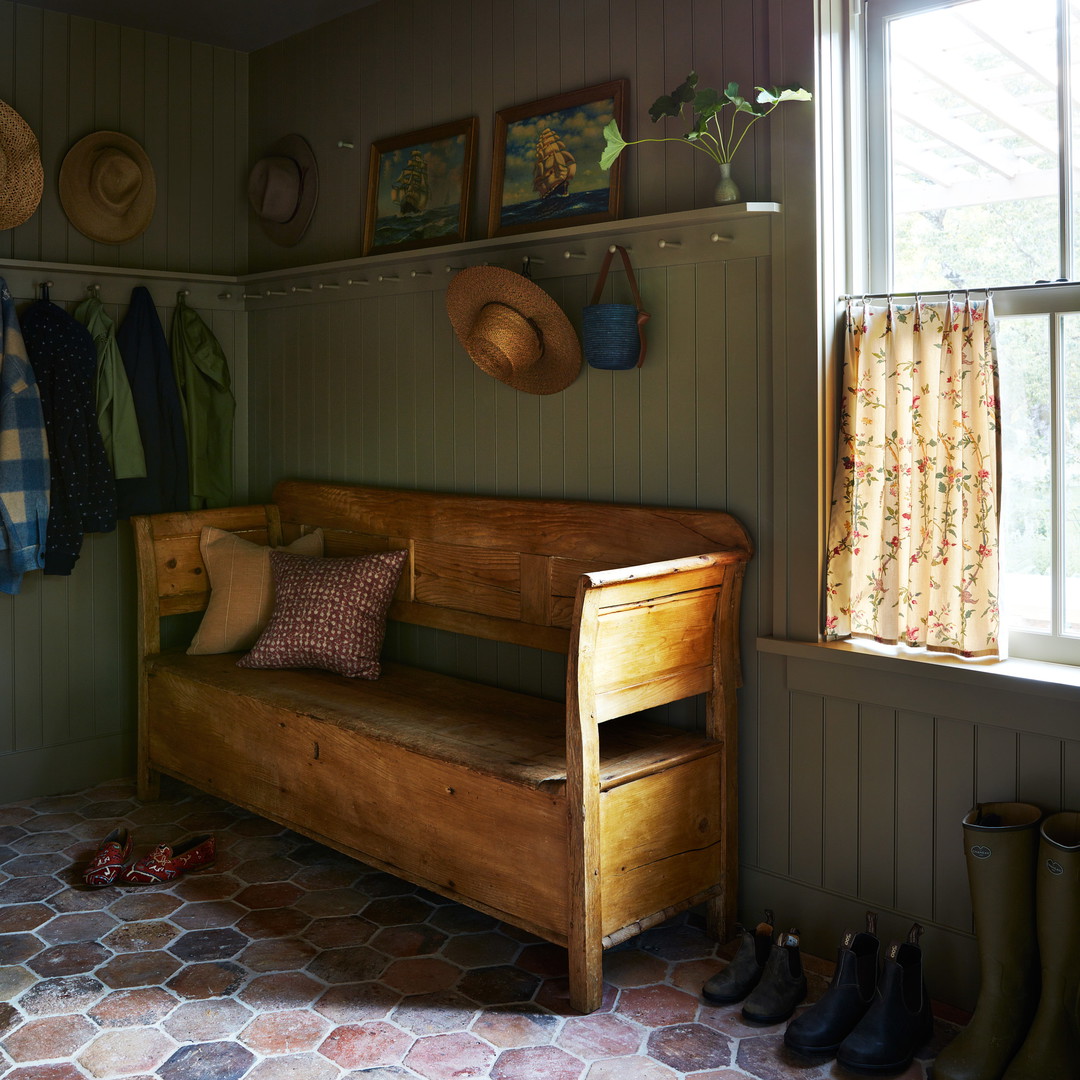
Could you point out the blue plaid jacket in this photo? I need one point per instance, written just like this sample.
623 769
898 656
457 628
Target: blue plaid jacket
24 457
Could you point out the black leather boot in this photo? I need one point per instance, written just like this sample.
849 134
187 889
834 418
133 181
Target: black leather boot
824 1026
899 1021
742 974
782 985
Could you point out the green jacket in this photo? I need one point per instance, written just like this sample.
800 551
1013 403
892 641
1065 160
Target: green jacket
202 377
115 405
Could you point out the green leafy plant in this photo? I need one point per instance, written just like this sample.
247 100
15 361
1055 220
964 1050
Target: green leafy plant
712 132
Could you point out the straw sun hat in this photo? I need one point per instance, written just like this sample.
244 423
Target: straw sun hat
107 187
21 175
513 330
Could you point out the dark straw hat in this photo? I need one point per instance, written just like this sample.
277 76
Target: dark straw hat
513 330
283 188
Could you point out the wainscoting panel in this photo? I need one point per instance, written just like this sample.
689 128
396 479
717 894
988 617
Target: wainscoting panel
186 103
860 802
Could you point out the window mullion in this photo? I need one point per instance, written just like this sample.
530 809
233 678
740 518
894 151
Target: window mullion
1065 164
1057 472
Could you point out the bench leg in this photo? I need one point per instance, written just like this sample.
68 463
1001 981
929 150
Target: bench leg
717 924
147 782
586 977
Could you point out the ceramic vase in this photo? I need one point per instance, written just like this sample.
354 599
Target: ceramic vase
727 190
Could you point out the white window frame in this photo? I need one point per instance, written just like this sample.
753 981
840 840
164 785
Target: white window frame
1052 301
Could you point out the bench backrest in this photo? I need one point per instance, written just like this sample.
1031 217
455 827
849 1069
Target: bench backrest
505 569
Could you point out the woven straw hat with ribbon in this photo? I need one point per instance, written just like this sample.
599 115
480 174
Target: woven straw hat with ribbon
21 175
513 330
107 187
283 188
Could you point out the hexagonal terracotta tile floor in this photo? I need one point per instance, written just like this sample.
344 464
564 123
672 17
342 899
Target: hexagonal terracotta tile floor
288 960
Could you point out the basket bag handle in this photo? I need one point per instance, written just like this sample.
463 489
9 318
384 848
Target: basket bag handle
643 316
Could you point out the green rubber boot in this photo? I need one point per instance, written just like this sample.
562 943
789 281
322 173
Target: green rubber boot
1052 1047
1000 842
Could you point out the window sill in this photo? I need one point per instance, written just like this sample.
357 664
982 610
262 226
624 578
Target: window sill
1060 681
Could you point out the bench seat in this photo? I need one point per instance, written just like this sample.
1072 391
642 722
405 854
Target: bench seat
516 738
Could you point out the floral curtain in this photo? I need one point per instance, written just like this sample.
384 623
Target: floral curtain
913 535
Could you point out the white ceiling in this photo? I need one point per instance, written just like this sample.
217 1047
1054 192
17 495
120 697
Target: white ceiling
245 25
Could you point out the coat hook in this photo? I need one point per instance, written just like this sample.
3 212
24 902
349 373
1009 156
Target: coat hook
669 243
251 296
534 260
573 255
389 277
615 247
358 281
301 288
329 285
420 273
45 287
344 145
94 290
224 295
716 238
276 292
450 269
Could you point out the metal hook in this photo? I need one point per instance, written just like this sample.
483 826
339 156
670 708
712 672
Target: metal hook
389 277
419 273
45 287
669 243
357 281
94 290
573 255
329 285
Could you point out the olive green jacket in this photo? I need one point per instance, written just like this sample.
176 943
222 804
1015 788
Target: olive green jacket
115 405
206 399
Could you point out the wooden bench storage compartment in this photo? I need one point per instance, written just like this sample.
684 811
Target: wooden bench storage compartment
545 814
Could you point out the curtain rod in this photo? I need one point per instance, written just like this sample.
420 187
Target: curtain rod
989 290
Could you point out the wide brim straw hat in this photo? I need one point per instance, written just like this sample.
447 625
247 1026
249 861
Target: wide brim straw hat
21 175
107 187
283 188
513 330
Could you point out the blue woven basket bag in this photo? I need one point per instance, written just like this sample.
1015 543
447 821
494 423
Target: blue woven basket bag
613 335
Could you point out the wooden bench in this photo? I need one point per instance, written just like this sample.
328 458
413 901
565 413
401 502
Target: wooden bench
577 821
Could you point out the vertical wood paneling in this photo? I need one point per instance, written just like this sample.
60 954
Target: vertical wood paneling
53 136
682 363
805 780
877 793
954 752
995 765
28 99
914 819
1039 771
69 76
840 829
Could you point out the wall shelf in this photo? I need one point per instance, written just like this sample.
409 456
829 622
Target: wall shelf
662 239
714 232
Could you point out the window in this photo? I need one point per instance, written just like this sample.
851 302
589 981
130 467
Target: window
973 151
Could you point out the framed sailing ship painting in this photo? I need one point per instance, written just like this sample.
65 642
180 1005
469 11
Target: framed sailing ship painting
420 187
546 168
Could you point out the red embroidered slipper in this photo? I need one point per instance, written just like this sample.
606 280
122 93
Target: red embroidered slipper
109 858
165 863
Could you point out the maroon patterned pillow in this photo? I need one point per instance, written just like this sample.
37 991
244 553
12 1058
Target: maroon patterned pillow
328 613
